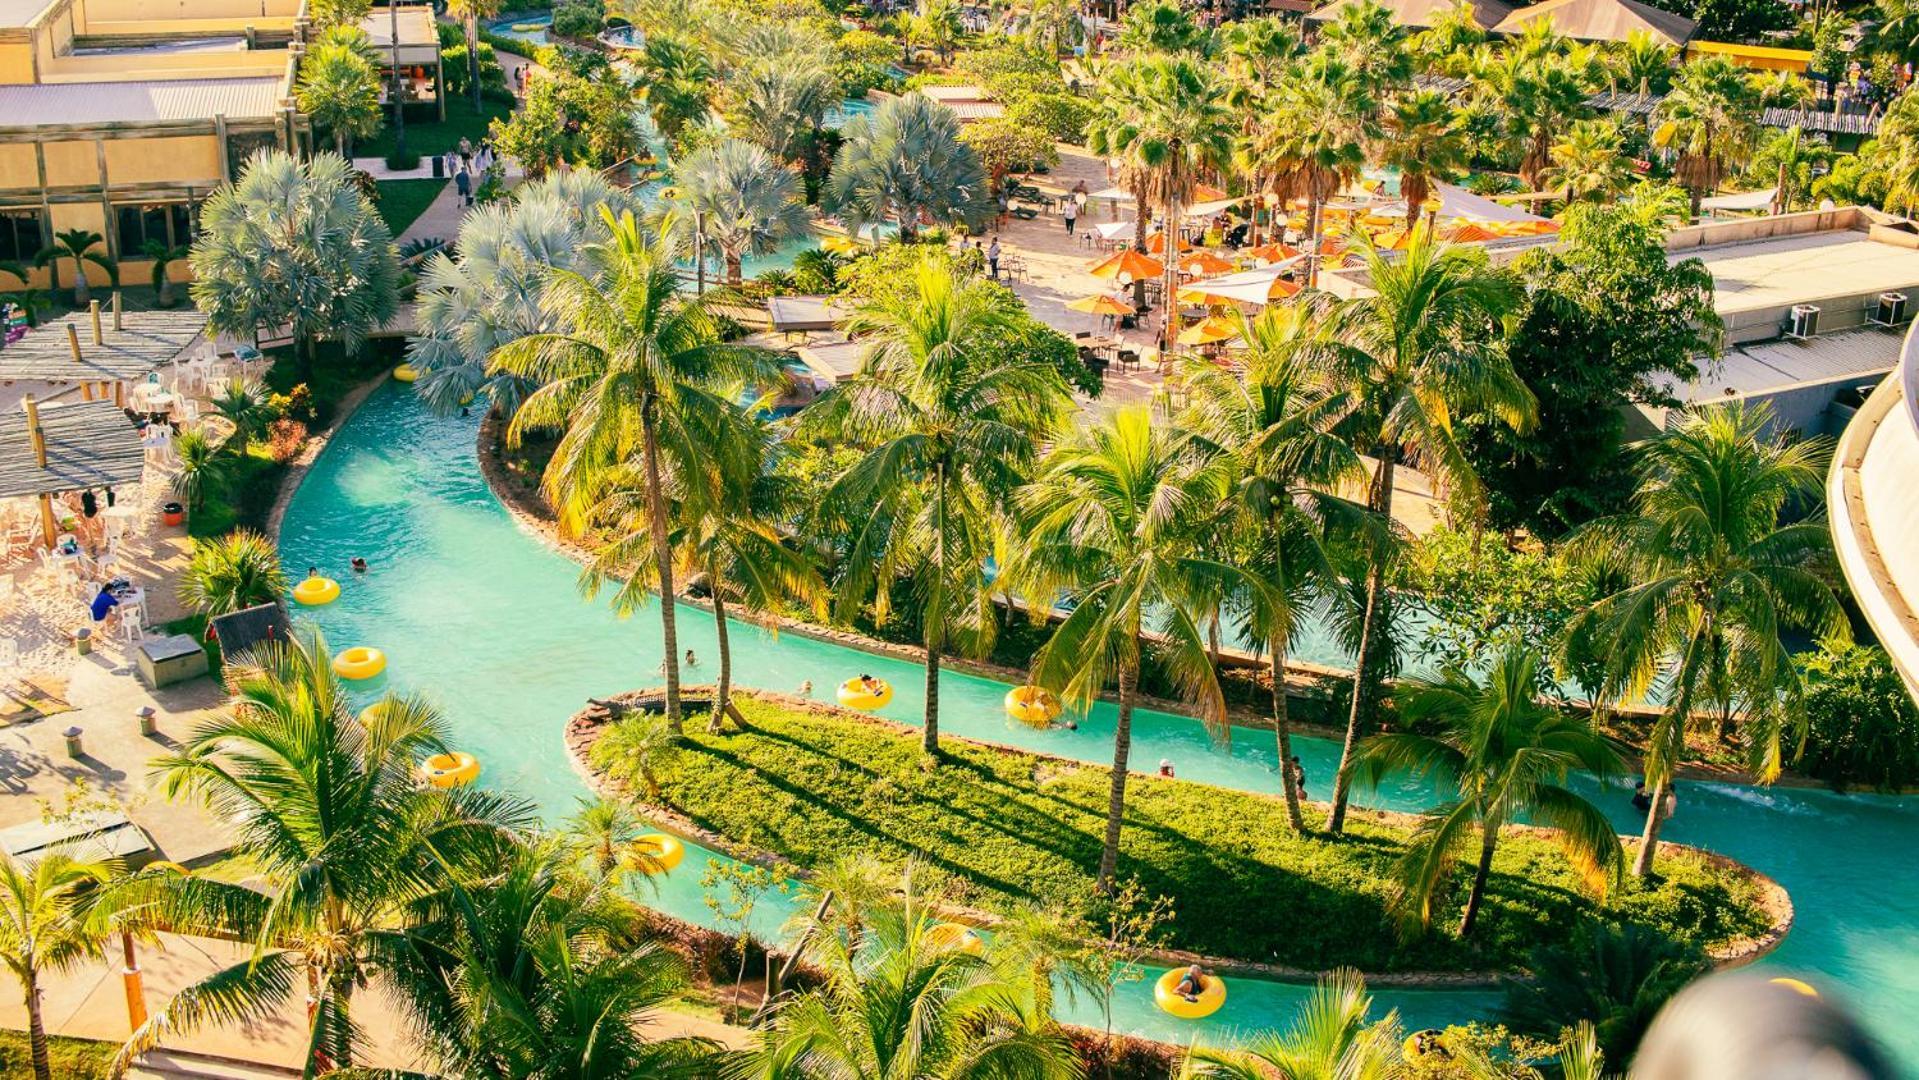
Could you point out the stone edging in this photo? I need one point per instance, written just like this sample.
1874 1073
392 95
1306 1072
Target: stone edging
298 468
585 726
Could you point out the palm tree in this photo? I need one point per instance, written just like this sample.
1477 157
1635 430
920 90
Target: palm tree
1714 580
1322 122
232 573
950 421
1114 523
1424 141
679 82
1540 96
1161 26
1614 979
742 200
904 162
603 838
470 12
47 928
77 245
1507 756
1589 163
1332 1037
343 838
937 25
340 88
777 100
243 406
1423 350
201 466
633 375
1790 160
1365 40
1274 423
163 257
897 1001
1710 120
522 975
1109 135
1641 64
1054 22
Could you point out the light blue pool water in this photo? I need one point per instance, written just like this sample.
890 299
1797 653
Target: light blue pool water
624 37
539 34
479 616
840 115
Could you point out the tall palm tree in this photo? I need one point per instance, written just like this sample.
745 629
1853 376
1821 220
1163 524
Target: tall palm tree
1424 349
634 375
1365 40
679 78
950 421
343 836
1507 756
742 200
1332 1037
1641 64
1710 120
1714 580
1539 96
470 12
79 246
776 100
340 88
1274 423
904 163
1423 139
47 928
1109 135
1589 163
1055 22
1323 119
1114 524
936 24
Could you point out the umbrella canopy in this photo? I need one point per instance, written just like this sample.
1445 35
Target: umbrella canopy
1272 253
1129 262
1262 286
1204 262
1208 193
1470 233
1156 243
1101 304
1209 331
1117 194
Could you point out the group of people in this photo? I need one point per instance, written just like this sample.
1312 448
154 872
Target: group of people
466 160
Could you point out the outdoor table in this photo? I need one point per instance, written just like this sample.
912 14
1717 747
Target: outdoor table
116 517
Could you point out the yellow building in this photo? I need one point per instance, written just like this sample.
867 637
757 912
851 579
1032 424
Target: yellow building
121 116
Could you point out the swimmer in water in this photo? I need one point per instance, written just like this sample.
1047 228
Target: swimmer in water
359 565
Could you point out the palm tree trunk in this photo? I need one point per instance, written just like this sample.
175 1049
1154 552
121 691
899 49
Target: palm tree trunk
663 558
1283 738
723 688
1313 225
473 56
1489 839
1142 220
339 141
82 291
1169 317
735 266
1116 798
1380 501
36 1028
935 618
1649 839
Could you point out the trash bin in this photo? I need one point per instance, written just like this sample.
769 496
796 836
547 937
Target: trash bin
439 166
173 514
73 742
83 640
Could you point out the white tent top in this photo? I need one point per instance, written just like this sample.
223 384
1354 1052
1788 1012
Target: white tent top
1247 286
1458 202
1744 200
1114 230
1117 194
1207 209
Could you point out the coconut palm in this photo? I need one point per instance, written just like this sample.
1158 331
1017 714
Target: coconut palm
1641 64
1589 163
1322 122
1274 423
1426 143
470 12
1710 120
231 573
1109 135
47 928
1332 1037
1114 524
1540 96
1790 161
678 78
162 256
1714 581
342 837
633 375
936 24
950 421
741 199
1366 42
1507 756
1423 350
903 164
340 88
77 245
603 838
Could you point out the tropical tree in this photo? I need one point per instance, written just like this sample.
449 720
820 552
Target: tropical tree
950 423
603 838
340 88
1790 161
1710 120
1323 119
634 375
904 162
327 14
245 407
1423 139
297 244
1423 350
1113 525
778 98
1109 135
741 199
1614 979
1714 582
678 78
200 466
232 573
1589 163
937 25
1273 423
1507 756
1332 1037
162 256
48 927
1365 40
470 12
1539 92
1057 23
1641 64
77 245
1161 26
343 839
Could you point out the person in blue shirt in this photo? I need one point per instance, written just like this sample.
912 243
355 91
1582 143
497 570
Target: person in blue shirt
103 603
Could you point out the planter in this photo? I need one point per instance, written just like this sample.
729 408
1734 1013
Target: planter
173 514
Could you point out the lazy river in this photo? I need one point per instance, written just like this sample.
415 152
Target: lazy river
486 621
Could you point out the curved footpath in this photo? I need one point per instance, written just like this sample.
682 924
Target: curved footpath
492 627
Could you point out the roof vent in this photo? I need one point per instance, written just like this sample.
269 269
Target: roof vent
1804 322
1891 309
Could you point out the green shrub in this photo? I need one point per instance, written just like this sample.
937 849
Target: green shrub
1063 117
402 161
1861 727
578 18
1002 826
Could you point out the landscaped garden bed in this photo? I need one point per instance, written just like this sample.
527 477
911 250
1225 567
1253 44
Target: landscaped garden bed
811 783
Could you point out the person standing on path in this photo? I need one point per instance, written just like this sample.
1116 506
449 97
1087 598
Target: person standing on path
466 152
1070 211
992 258
463 183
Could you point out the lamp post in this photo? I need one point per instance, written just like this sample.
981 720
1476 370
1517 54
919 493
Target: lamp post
399 115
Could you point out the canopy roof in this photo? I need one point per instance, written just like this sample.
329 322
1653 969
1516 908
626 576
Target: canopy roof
1423 13
1602 20
148 339
89 445
1745 200
795 313
1261 286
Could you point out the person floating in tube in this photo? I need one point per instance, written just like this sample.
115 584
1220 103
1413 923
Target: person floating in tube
1191 984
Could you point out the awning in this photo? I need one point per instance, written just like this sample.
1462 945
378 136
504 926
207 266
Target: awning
791 314
146 340
835 361
1261 286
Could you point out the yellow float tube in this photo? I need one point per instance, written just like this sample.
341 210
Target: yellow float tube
1211 996
1797 986
656 853
359 662
316 590
451 769
957 936
854 694
405 373
1421 1044
1032 705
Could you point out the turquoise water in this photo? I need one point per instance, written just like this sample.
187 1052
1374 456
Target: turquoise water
845 112
479 616
538 36
625 37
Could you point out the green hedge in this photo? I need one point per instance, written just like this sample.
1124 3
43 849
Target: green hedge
1003 826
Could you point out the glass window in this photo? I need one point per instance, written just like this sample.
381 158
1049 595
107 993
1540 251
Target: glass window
19 235
168 223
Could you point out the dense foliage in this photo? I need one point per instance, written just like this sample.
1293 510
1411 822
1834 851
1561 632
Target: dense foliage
1861 727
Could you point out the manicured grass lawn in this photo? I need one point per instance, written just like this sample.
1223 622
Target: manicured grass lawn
425 137
72 1059
401 202
1004 826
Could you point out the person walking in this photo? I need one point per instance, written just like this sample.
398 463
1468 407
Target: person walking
992 258
463 184
1070 211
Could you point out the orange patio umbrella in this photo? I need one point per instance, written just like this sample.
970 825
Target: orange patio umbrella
1272 252
1208 193
1156 243
1470 233
1204 262
1101 304
1131 263
1394 240
1208 331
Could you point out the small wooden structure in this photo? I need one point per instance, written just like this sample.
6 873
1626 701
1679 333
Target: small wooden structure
99 350
45 450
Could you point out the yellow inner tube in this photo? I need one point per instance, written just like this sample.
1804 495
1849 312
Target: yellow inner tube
656 853
854 695
454 769
1795 985
406 373
359 662
1211 996
315 591
1433 1040
952 935
1032 705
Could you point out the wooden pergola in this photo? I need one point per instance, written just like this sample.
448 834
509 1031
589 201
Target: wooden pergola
101 350
47 450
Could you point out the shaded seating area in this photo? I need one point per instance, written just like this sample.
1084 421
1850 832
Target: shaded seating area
51 450
806 314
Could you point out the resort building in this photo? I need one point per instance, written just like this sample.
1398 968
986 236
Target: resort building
119 117
1874 516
